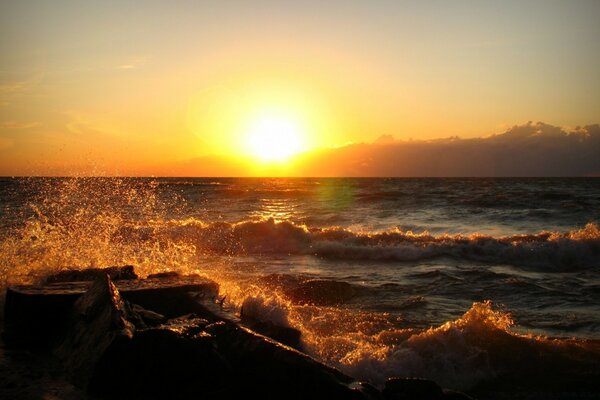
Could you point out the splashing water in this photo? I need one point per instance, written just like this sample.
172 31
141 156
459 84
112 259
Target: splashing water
384 288
85 222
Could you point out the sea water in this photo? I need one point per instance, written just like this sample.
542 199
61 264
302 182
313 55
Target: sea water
436 278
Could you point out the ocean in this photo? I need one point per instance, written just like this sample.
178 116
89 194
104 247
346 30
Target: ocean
448 279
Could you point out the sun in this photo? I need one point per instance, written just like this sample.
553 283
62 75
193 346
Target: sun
274 138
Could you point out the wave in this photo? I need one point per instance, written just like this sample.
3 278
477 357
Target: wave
98 222
578 249
87 238
477 348
476 351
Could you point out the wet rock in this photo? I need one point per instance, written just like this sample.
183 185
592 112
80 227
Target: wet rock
161 363
35 315
266 369
455 395
322 292
36 318
283 334
366 390
86 275
252 318
171 297
164 275
197 350
411 389
149 317
97 318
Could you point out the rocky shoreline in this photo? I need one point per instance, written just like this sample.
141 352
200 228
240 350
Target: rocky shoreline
109 334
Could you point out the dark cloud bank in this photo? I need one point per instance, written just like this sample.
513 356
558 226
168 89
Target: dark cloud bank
533 149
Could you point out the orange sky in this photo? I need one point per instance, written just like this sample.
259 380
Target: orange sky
112 88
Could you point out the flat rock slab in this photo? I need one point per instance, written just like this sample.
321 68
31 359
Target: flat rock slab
35 314
192 283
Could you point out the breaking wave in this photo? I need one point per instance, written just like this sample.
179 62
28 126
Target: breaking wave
95 223
476 349
549 251
94 239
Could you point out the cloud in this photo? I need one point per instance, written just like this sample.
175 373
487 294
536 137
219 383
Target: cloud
531 149
18 125
18 86
12 87
134 63
524 150
384 139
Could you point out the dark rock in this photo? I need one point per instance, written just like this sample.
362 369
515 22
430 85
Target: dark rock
366 390
97 318
266 369
283 334
189 325
90 274
164 275
252 318
322 292
36 319
198 352
411 389
150 318
455 395
34 315
161 363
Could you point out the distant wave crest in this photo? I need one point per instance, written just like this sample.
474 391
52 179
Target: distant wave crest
576 249
83 239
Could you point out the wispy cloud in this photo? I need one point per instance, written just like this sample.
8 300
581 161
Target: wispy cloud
11 87
134 63
18 125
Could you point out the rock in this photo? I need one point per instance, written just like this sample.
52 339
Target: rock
161 363
366 390
35 314
197 350
87 275
266 369
322 292
172 300
455 395
150 318
164 275
35 318
252 318
283 334
411 389
97 318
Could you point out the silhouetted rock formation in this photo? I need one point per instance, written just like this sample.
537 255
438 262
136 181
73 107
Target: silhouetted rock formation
96 319
167 337
86 275
116 340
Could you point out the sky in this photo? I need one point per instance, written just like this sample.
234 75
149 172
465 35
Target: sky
151 88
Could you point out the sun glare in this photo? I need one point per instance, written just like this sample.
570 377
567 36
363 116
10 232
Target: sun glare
274 138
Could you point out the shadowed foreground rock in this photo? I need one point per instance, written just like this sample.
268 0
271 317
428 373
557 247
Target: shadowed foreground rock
419 389
97 318
164 337
36 315
167 337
